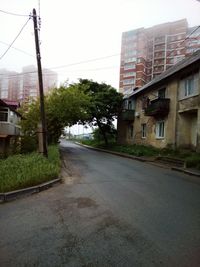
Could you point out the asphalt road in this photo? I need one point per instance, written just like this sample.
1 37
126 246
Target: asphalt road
109 211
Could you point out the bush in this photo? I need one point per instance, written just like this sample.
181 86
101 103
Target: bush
193 161
20 171
28 144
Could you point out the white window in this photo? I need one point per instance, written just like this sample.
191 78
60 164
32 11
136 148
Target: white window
144 130
128 74
128 81
129 66
189 86
160 129
131 59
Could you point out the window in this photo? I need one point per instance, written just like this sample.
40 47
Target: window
128 74
128 81
189 86
129 66
160 129
130 59
131 104
3 114
125 104
144 130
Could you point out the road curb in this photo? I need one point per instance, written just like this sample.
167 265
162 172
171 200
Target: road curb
12 195
114 153
193 173
189 172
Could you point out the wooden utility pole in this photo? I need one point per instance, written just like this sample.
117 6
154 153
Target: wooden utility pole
42 110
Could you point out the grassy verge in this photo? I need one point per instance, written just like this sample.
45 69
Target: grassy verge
135 150
21 171
192 159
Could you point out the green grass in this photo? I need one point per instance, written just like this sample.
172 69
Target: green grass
21 171
193 161
135 150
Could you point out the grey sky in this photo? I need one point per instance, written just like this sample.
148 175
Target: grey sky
79 30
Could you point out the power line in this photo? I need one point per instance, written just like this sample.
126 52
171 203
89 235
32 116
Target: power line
13 14
9 77
85 61
20 50
69 65
15 39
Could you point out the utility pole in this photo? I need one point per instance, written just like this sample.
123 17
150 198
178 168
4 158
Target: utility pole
42 111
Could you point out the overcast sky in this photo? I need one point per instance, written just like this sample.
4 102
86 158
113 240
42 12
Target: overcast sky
79 30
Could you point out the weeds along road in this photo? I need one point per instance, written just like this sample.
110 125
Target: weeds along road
109 211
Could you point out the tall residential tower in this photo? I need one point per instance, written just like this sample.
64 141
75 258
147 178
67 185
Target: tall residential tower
146 53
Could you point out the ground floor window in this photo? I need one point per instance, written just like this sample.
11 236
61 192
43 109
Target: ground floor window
160 129
144 130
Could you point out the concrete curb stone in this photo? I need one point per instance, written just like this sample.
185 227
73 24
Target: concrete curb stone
8 196
144 159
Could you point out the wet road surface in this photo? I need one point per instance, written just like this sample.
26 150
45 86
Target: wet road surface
109 211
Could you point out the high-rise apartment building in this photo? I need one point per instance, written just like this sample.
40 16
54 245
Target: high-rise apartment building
9 84
23 86
29 83
146 53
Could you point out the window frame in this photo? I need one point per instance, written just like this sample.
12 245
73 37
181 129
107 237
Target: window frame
5 111
189 86
144 130
160 129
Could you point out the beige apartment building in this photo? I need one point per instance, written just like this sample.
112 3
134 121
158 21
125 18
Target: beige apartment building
166 111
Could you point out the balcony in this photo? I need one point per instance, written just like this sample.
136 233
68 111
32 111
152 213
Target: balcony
158 107
7 128
128 115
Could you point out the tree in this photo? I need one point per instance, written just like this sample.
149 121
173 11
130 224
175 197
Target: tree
86 101
65 106
104 105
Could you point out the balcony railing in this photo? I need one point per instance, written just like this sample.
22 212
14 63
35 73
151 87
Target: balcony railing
128 114
158 107
7 128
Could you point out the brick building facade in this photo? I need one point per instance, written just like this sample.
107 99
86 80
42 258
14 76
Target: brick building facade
146 53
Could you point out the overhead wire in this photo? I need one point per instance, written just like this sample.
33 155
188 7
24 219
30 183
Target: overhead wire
85 61
15 39
187 37
9 77
69 65
17 49
13 14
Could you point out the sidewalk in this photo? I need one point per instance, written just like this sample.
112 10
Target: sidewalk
151 160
